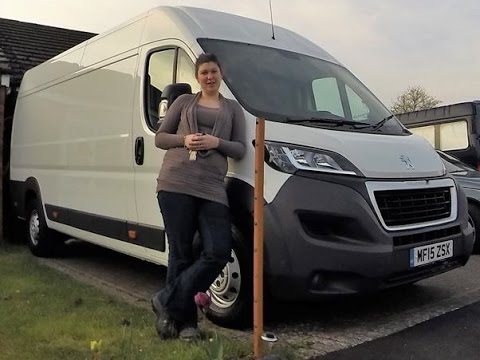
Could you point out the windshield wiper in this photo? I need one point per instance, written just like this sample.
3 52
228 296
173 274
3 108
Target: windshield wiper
379 124
326 120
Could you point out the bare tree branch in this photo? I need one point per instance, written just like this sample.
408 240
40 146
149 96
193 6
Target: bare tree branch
414 98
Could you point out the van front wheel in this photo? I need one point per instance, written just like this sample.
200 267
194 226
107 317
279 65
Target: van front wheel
231 292
474 220
41 240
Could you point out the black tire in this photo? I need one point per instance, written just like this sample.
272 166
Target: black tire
17 231
41 240
231 292
14 227
474 219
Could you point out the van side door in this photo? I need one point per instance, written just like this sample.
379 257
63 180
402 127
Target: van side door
161 64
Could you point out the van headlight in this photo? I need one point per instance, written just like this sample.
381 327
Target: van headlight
290 158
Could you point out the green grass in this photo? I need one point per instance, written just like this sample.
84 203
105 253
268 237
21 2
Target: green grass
46 315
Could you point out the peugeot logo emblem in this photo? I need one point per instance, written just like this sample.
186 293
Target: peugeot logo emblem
406 160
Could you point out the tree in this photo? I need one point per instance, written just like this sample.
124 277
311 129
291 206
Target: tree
414 98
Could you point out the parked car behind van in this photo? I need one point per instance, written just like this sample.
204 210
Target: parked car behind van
354 202
469 179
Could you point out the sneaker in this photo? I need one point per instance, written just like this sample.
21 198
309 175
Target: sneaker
165 324
203 300
189 333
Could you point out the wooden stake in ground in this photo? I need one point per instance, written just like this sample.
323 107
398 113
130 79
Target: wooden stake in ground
258 240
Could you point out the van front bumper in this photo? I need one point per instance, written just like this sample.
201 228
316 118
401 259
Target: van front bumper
322 237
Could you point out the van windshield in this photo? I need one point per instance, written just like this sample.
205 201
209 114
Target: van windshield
289 87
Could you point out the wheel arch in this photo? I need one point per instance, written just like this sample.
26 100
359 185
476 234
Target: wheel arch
241 198
474 215
473 201
32 191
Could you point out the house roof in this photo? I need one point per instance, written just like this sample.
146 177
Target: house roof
25 45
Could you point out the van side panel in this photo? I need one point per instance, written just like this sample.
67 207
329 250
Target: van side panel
60 66
75 139
106 46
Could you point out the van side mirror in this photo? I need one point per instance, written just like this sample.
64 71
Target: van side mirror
170 93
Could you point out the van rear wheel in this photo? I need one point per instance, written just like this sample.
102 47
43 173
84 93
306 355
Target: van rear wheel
231 292
41 240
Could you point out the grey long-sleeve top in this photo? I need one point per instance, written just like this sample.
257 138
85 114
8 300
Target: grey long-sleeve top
204 177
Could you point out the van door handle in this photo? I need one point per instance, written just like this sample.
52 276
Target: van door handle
139 150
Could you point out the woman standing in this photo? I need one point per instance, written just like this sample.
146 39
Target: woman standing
199 131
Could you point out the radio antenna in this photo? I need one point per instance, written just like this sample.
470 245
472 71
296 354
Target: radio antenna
271 19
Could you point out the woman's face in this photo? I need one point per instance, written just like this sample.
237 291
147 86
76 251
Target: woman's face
209 77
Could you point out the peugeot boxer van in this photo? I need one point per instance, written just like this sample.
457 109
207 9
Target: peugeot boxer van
353 201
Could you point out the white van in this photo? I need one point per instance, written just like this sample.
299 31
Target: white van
353 201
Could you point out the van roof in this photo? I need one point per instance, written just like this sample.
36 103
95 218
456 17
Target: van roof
439 113
186 24
183 22
204 23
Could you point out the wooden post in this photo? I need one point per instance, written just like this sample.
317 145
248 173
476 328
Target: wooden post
3 95
258 240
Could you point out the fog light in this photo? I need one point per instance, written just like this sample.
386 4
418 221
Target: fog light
318 281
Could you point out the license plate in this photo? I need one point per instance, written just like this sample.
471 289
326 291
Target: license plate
429 253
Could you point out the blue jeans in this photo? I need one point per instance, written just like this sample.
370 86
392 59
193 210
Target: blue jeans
183 216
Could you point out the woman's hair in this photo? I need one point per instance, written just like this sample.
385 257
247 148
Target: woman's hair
206 58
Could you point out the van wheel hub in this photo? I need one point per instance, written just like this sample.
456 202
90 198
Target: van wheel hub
34 228
226 288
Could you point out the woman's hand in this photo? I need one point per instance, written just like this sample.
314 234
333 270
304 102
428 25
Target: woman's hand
200 141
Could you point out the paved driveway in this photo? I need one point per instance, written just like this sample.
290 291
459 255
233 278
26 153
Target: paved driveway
450 336
314 329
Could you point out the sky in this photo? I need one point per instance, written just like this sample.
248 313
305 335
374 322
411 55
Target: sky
389 45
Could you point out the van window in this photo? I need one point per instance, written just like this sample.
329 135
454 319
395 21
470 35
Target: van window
453 136
160 74
327 96
358 108
447 136
428 132
186 71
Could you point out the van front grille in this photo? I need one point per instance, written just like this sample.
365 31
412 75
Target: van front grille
439 235
404 207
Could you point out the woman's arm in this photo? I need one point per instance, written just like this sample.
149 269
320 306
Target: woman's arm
166 136
235 147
